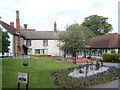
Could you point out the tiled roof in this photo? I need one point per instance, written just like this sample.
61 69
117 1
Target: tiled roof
106 41
11 29
40 35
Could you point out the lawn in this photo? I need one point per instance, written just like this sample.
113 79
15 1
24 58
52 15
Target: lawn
39 71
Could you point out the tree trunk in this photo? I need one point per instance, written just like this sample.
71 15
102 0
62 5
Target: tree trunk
74 57
84 53
2 55
90 52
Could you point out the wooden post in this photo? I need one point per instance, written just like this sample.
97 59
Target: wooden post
27 86
18 86
27 82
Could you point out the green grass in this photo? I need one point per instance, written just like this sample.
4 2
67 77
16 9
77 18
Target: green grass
39 71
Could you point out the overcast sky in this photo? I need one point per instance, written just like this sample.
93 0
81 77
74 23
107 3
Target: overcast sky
41 14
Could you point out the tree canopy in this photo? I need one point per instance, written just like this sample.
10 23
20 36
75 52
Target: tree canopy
75 38
98 24
4 42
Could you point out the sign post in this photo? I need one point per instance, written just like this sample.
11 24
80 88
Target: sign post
23 77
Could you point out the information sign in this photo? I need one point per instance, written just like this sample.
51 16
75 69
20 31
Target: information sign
23 77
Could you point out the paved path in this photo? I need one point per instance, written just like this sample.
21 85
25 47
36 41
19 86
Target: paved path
104 63
112 84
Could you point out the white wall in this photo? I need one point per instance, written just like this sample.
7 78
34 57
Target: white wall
11 44
52 47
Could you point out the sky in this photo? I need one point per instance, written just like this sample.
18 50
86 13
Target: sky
41 14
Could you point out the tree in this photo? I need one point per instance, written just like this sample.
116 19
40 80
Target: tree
75 38
0 40
98 24
4 42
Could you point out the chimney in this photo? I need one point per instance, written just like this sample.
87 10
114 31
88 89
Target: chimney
12 24
25 26
55 26
17 21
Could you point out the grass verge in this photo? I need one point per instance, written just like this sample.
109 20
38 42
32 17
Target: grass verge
39 71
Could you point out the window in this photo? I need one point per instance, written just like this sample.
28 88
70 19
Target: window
28 42
41 51
45 42
45 51
37 51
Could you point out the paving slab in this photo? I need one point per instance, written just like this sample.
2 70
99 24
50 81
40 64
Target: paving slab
112 84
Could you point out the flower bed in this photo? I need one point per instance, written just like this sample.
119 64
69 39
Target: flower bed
61 80
77 59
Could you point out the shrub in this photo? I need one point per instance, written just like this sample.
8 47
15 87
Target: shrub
116 57
107 57
111 57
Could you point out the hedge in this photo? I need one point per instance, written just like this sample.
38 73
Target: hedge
111 57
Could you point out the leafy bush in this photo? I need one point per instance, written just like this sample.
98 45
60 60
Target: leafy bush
116 56
110 57
61 80
107 57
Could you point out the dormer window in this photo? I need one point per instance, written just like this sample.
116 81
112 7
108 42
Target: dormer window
45 42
